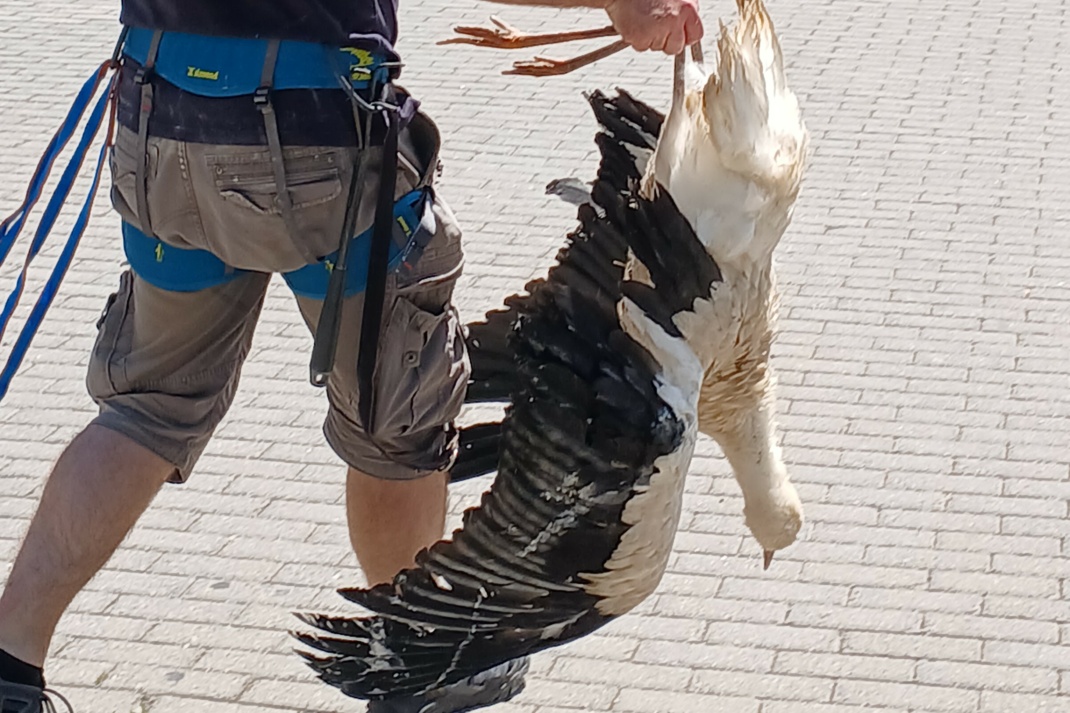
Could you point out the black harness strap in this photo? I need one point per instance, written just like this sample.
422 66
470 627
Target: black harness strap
262 99
143 78
325 341
378 262
378 259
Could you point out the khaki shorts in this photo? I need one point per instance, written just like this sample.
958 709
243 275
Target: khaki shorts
166 365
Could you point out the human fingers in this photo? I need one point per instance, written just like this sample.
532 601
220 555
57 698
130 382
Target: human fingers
674 42
693 29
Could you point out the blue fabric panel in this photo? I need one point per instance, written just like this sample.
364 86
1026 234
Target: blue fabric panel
188 270
173 269
412 218
229 67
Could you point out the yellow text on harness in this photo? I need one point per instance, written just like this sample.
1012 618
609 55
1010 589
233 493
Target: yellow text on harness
365 59
197 73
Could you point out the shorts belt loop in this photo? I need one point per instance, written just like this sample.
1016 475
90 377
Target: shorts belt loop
262 99
143 78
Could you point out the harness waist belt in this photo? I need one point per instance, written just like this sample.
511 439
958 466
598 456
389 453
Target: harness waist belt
230 67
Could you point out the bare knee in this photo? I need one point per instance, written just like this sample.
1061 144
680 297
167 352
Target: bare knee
390 521
400 493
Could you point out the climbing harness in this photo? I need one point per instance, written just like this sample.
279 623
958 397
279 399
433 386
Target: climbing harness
229 67
12 227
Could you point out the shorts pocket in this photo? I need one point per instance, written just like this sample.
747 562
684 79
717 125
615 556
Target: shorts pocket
421 375
106 375
247 179
238 204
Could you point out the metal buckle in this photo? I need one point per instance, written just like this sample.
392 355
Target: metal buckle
262 98
369 106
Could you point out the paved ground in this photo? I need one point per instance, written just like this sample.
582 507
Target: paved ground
925 390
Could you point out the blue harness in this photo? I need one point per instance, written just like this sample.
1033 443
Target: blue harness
233 67
229 67
215 67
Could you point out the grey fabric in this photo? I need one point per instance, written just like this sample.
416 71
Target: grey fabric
166 364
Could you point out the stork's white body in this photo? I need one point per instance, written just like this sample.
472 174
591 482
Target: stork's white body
731 154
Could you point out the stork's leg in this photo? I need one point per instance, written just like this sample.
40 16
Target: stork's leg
504 36
546 67
679 88
678 83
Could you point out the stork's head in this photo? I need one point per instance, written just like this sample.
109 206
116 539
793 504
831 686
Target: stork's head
774 517
733 147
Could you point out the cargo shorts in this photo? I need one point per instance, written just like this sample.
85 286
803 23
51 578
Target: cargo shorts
166 365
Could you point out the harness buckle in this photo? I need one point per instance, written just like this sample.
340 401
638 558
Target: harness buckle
370 106
262 98
142 75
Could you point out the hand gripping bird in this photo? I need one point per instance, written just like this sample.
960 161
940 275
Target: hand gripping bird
655 323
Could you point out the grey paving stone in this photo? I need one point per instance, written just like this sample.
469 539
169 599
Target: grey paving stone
925 388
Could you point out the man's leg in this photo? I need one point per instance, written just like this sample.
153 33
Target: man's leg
395 496
391 520
99 487
396 490
163 371
394 509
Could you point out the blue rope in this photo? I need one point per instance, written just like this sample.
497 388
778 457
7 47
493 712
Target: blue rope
12 227
13 224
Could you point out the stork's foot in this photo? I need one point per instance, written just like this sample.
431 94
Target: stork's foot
547 67
506 37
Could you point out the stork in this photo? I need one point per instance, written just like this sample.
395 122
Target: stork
654 324
749 158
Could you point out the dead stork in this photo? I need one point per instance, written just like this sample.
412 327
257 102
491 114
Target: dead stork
721 164
660 306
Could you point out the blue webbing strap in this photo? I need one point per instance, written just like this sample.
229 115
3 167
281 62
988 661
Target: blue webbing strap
10 228
13 224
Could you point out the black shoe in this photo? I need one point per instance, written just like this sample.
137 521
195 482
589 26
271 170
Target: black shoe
17 698
495 685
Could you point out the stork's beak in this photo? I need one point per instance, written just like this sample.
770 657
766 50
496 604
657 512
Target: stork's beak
767 559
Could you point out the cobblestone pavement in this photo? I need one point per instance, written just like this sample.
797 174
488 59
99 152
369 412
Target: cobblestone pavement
925 391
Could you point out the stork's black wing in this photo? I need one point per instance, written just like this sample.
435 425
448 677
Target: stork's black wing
580 439
628 136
